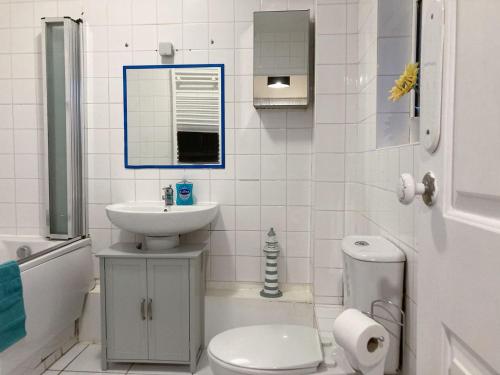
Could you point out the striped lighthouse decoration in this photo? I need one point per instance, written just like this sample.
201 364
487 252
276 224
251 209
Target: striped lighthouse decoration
272 250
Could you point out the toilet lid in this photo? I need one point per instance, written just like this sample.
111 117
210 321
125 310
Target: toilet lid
268 347
372 249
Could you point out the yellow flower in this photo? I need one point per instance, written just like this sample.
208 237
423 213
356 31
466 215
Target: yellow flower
404 83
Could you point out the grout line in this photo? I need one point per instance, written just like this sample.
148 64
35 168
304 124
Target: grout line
234 144
70 362
129 368
285 231
14 145
345 121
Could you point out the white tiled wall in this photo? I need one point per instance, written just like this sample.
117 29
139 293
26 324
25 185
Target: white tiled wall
267 181
20 210
372 175
336 100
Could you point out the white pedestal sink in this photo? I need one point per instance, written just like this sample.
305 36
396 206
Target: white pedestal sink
161 225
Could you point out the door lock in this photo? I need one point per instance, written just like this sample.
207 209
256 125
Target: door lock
408 188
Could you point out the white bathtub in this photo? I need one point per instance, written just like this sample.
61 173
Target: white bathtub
55 280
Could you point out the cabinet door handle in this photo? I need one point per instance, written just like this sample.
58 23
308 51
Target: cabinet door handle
143 309
150 309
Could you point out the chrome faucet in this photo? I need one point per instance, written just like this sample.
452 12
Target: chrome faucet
168 196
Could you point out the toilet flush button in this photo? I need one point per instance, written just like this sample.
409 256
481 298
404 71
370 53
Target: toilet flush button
362 243
408 188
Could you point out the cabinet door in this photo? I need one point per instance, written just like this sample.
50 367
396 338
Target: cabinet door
126 302
168 292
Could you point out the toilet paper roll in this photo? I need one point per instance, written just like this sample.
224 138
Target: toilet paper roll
359 336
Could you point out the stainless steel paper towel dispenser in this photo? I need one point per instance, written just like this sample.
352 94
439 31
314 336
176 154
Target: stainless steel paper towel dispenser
281 59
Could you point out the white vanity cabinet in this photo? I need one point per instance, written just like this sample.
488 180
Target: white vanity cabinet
152 305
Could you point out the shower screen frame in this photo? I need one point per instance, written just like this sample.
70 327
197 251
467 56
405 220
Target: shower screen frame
64 168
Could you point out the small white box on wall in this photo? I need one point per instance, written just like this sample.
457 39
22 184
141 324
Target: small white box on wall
166 49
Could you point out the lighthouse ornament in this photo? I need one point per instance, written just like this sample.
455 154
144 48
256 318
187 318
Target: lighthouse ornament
272 250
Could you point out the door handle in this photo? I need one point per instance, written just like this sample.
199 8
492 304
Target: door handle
408 188
143 309
150 309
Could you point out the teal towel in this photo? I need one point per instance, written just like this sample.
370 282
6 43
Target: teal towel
12 315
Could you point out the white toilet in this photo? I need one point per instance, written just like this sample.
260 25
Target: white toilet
374 269
265 350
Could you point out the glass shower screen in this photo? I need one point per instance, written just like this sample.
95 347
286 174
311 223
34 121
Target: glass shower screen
64 198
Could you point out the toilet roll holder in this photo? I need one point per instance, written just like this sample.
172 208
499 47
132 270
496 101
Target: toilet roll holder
384 304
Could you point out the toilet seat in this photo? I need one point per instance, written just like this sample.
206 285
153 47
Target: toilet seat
237 370
267 350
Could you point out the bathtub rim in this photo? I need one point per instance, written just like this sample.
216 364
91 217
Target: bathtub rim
53 252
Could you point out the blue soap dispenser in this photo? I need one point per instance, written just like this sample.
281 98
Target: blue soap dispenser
184 193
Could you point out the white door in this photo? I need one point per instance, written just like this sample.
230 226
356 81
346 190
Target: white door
168 305
458 239
126 297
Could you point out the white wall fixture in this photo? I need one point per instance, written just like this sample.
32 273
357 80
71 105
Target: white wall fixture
165 49
160 224
432 72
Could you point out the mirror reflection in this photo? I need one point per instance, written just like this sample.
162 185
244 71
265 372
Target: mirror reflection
281 59
174 116
398 45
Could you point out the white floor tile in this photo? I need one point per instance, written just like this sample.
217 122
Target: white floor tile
90 361
70 355
335 362
139 368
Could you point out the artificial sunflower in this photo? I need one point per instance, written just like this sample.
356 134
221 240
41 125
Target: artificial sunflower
405 83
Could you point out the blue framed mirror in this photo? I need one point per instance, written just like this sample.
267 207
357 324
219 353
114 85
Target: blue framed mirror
174 116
